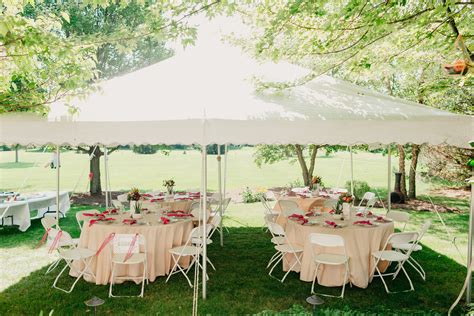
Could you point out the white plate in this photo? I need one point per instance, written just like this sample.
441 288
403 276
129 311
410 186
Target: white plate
365 225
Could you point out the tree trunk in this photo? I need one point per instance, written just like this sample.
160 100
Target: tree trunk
401 169
304 167
16 154
95 187
414 162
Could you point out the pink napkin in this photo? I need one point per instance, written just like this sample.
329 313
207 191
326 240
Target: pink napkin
147 195
112 212
89 214
360 214
331 223
362 223
158 199
129 221
93 221
165 220
299 218
332 212
309 214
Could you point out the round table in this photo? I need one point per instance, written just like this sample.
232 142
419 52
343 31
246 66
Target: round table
159 239
360 243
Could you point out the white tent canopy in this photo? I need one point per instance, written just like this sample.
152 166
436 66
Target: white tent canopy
208 96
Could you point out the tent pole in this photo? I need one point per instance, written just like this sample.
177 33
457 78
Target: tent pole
352 172
469 243
57 185
389 177
106 169
204 220
219 183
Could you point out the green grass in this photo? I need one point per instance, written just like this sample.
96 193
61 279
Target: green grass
128 169
239 286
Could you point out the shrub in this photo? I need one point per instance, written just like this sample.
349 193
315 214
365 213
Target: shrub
251 197
145 149
360 187
295 184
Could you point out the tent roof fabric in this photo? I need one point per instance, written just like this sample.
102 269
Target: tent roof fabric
206 96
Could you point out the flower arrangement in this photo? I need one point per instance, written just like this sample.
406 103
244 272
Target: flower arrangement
134 195
169 184
316 181
343 198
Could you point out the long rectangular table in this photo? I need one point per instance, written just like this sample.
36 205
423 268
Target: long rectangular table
43 203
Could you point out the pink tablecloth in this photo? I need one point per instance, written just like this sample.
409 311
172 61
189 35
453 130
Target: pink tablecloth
360 243
159 239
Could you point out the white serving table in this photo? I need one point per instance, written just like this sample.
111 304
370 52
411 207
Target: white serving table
44 203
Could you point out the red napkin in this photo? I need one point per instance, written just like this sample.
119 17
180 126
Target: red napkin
180 215
332 212
297 216
157 199
362 223
147 195
99 219
309 214
165 220
129 221
89 214
360 214
331 223
369 213
114 211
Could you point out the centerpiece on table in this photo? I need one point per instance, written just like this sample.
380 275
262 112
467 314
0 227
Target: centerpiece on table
169 185
316 183
344 204
135 205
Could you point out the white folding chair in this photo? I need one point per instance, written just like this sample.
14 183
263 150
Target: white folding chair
276 239
122 198
118 205
49 222
187 250
395 256
81 218
287 213
284 249
368 200
330 241
122 245
70 254
404 247
399 217
212 227
286 205
330 203
267 208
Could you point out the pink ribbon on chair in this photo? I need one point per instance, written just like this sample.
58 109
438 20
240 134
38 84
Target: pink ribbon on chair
43 239
55 242
105 243
130 249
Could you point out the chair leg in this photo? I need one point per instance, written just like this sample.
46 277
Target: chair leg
275 264
53 266
291 268
112 280
346 267
209 261
383 281
315 276
275 256
174 268
418 268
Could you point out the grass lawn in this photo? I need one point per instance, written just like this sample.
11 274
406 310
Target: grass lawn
128 169
239 286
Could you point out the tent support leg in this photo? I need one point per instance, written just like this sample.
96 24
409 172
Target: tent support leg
204 220
469 243
352 172
106 169
389 177
57 185
219 181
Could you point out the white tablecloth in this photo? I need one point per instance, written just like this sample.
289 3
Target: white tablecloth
44 202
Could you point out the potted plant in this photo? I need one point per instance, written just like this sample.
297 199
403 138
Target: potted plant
135 205
169 185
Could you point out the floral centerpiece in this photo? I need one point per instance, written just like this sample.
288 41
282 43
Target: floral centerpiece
344 198
316 182
169 185
135 205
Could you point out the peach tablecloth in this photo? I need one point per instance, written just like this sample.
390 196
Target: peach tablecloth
360 243
159 239
174 205
306 204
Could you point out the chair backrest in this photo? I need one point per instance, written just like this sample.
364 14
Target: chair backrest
293 211
48 222
64 240
266 207
123 197
326 240
80 217
288 205
398 216
225 204
269 218
276 229
402 238
216 220
118 205
122 242
424 228
369 198
195 205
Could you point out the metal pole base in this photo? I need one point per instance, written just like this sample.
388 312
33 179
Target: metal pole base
314 300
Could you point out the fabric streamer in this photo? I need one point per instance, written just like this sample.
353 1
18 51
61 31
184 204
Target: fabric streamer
43 239
105 243
130 249
55 242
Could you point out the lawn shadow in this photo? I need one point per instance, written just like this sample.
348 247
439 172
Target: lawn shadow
16 165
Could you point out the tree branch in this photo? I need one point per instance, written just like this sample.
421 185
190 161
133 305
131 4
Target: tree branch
83 150
314 152
112 150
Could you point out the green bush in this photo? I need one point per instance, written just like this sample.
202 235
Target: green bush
295 184
360 187
251 197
